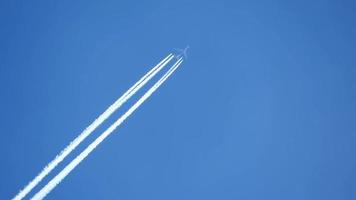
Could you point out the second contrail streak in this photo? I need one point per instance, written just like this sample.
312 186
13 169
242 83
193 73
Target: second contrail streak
59 177
59 158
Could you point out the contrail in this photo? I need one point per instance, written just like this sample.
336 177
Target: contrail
59 158
59 177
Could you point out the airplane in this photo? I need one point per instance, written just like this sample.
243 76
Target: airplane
182 53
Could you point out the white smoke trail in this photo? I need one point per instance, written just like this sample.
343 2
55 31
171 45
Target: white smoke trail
59 177
59 158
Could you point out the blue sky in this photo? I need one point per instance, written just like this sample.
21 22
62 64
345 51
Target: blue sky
264 107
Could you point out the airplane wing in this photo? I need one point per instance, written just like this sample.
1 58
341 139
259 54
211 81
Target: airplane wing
185 55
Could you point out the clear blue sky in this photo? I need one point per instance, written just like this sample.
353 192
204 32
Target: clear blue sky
264 107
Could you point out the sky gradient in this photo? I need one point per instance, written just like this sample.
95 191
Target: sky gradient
264 107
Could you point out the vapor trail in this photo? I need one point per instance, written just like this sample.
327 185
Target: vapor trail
59 158
59 177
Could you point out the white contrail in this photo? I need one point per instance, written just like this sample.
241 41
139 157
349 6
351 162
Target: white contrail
59 158
59 177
